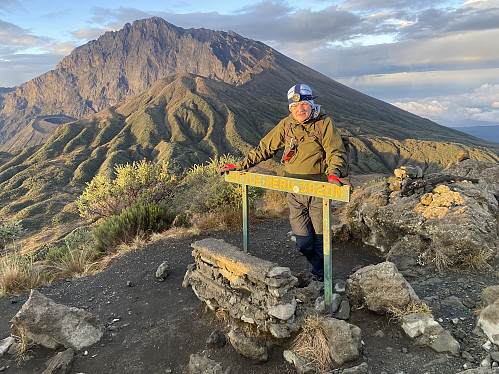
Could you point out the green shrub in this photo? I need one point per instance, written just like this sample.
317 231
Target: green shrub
78 239
139 183
135 221
54 252
205 191
71 257
9 231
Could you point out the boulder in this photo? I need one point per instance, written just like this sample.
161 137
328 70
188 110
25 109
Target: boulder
51 325
61 363
201 364
488 321
343 339
480 371
379 287
248 346
216 339
343 345
440 225
360 369
489 295
5 345
162 271
427 332
302 364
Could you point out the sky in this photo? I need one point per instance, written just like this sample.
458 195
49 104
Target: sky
437 59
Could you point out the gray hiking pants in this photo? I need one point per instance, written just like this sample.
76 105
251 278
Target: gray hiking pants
305 216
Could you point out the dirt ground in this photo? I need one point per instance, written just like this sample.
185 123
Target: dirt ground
153 327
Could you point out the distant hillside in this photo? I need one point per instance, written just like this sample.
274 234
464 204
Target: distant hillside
155 91
119 65
488 133
185 119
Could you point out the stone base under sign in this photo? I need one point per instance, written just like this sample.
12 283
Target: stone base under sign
249 289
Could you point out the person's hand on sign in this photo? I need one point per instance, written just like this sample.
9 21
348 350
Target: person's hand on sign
340 182
226 168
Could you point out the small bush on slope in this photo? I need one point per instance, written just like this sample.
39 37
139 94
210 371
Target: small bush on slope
135 221
139 183
205 193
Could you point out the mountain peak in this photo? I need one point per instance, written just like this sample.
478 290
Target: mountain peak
121 64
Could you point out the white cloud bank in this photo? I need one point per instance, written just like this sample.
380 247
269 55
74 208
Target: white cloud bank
479 107
431 58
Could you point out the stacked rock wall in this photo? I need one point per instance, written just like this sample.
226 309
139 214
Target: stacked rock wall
248 288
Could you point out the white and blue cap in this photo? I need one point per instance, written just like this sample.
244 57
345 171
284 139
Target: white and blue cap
299 93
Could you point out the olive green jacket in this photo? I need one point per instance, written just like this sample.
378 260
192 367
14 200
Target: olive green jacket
315 158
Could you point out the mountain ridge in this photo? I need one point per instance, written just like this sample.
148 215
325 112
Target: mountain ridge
184 119
124 63
120 64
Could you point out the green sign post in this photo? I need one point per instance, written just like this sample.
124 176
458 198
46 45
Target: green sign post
326 191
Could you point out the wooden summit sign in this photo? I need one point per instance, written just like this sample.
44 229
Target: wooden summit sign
298 186
326 191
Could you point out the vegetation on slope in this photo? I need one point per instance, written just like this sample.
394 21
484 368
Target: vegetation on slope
142 199
182 120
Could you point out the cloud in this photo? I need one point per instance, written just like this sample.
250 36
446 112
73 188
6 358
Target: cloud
479 105
24 55
472 50
16 37
59 50
114 19
87 34
434 22
20 67
396 50
385 4
392 86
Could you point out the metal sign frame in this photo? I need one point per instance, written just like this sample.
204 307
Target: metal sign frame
324 190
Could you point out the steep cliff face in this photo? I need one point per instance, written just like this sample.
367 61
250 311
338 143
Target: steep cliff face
121 64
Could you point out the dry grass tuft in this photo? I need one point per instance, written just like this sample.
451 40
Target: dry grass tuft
479 260
18 274
24 345
216 221
76 264
444 259
311 343
222 315
438 256
414 306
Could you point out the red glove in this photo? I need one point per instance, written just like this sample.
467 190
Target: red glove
336 180
227 167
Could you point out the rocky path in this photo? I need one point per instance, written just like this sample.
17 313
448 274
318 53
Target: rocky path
154 327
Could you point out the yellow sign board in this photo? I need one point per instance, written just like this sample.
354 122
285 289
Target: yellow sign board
299 186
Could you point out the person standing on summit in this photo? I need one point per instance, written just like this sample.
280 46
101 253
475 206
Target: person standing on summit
313 150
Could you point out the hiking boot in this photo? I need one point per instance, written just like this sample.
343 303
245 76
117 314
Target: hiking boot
317 278
318 282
